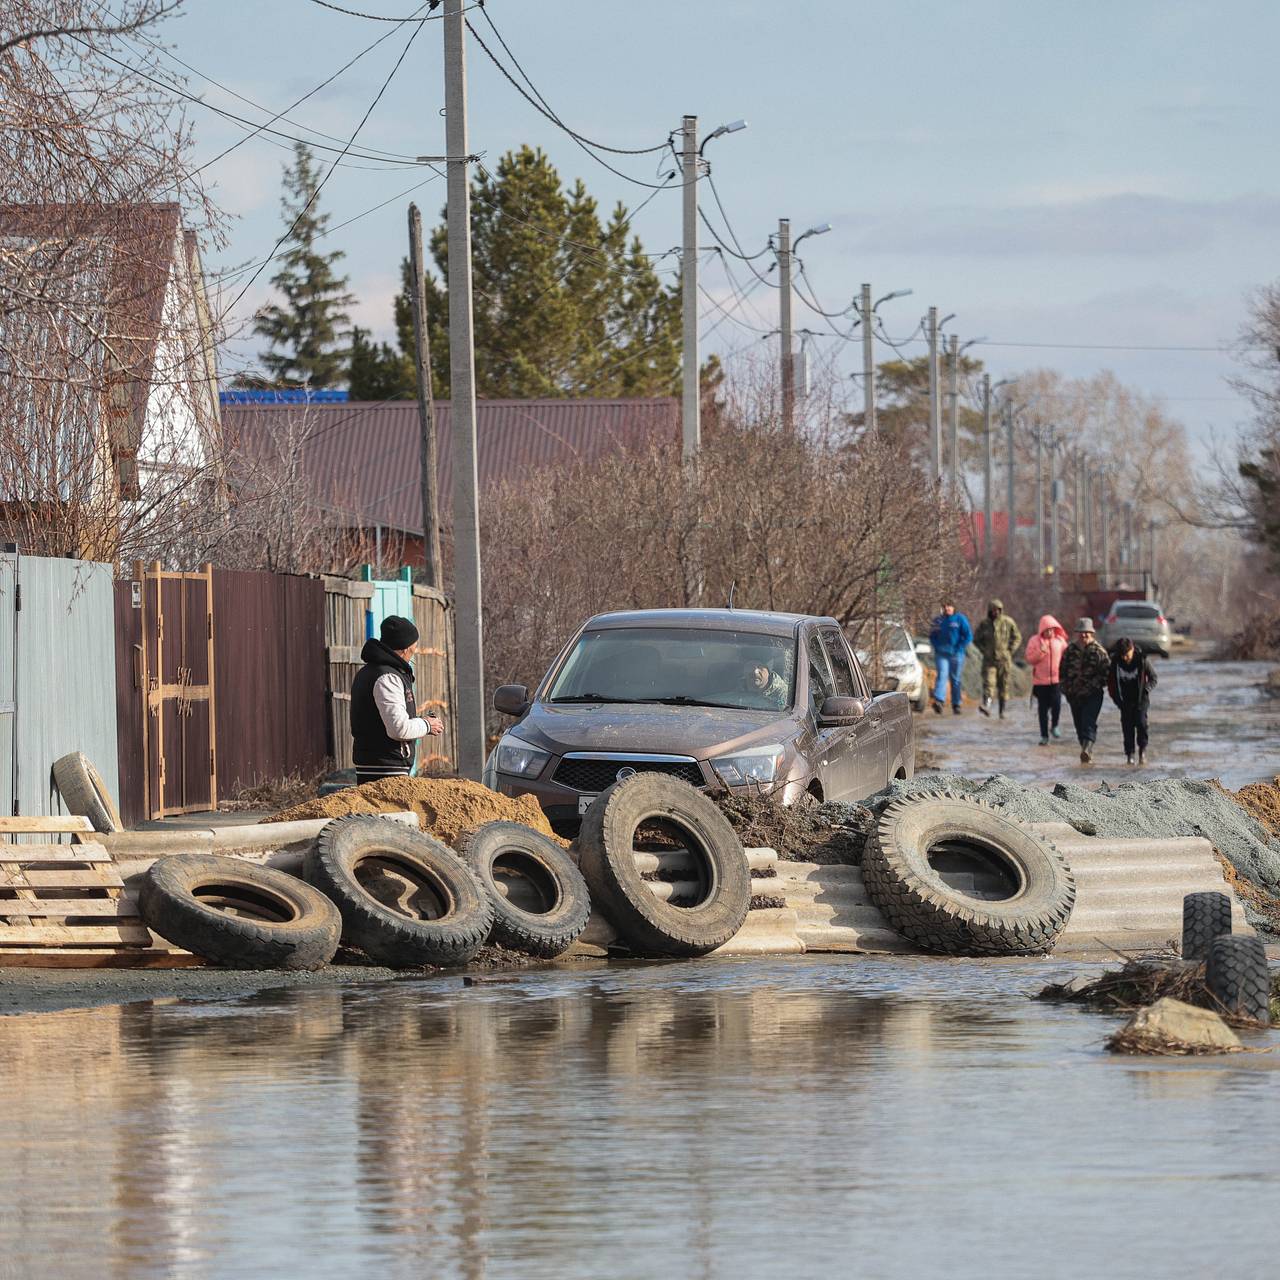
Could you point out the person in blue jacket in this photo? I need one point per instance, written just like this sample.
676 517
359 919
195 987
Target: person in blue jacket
950 637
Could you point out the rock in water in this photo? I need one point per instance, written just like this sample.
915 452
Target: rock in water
1170 1026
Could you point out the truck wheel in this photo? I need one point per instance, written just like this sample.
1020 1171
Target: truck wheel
84 792
238 914
1237 976
540 900
1205 916
957 877
715 905
405 899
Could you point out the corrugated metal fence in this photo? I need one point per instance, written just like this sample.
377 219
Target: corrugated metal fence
57 669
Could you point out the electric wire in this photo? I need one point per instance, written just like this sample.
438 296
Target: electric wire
378 17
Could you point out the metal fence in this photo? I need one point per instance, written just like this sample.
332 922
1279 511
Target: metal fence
57 676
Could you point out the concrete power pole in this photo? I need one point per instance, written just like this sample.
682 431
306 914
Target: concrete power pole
1076 508
987 477
784 324
868 363
431 565
935 408
953 391
691 390
1151 556
1127 559
1054 546
469 639
1090 564
1106 527
1040 501
1011 513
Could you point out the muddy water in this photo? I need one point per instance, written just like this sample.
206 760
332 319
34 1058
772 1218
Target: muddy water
1208 720
793 1117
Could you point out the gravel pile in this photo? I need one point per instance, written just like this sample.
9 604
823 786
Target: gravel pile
1162 808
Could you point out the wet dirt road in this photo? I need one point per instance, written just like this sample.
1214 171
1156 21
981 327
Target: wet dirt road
1208 720
789 1117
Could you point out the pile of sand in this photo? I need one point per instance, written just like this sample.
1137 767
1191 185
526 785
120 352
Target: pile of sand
446 807
1262 801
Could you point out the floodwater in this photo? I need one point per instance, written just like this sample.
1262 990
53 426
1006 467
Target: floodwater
788 1117
1208 720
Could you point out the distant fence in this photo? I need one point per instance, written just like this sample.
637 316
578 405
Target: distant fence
57 676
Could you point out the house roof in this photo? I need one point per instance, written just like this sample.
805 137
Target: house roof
362 458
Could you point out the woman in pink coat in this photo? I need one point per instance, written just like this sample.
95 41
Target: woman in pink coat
1044 653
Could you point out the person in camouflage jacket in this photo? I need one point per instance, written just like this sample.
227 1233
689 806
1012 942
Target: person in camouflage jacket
999 639
1084 671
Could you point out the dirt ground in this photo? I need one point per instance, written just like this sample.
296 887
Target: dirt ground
446 807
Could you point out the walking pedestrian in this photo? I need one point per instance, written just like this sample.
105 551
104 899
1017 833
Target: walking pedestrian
950 636
1130 683
999 639
1084 671
384 718
1044 653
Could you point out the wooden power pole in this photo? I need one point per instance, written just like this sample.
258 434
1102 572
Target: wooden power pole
426 408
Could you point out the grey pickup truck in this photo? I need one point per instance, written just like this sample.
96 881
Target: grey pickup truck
769 702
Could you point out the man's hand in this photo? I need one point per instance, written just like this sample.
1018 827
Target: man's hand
435 725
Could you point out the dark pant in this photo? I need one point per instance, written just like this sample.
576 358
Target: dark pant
1084 712
1048 705
375 773
1133 721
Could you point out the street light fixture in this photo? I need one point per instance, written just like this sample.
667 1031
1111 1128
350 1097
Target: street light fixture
897 293
732 127
820 230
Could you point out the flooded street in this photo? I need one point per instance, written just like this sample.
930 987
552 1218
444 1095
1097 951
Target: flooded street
1208 720
708 1119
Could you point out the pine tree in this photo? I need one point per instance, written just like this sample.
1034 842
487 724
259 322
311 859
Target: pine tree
564 305
378 371
305 331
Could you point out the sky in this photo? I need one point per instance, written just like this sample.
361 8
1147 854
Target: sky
1074 182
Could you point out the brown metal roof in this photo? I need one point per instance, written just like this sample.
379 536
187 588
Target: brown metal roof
362 457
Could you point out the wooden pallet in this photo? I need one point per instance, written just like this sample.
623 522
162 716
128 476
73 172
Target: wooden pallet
66 906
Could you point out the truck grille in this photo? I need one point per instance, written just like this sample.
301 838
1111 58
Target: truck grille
596 775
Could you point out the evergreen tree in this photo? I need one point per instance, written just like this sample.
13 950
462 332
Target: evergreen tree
305 331
378 371
564 305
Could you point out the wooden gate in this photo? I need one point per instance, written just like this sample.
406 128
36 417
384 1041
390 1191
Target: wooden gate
178 713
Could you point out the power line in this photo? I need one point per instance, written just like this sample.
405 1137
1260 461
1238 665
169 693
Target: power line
377 17
1103 346
321 184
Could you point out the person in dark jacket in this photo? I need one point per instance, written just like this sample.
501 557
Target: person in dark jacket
950 636
1084 670
384 717
1130 683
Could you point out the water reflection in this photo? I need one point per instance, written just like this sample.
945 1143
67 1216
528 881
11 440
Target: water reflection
700 1120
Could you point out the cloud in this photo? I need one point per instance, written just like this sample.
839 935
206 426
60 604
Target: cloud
1130 223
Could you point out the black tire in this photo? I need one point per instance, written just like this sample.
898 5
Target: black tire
1237 976
540 900
1026 907
647 924
238 914
406 899
1205 916
84 792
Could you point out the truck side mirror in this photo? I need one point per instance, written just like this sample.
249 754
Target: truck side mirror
840 711
511 699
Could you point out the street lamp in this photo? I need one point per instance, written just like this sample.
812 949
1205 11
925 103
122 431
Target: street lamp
820 230
866 314
732 127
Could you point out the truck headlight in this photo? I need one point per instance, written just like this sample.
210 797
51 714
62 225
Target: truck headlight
519 758
758 764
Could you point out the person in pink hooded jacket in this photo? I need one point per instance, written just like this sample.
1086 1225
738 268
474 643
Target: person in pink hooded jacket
1044 653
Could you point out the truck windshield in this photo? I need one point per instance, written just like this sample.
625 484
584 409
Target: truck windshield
679 666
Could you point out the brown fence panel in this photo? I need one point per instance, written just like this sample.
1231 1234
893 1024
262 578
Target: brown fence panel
269 659
433 677
130 683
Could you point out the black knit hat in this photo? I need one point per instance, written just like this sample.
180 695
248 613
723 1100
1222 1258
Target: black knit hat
398 633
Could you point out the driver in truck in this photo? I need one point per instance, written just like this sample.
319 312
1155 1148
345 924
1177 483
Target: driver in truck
768 683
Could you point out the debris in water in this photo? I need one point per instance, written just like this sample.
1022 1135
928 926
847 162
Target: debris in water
1172 1028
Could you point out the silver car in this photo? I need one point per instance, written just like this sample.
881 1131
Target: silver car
900 664
1142 621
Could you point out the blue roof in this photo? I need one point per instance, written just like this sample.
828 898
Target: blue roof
282 395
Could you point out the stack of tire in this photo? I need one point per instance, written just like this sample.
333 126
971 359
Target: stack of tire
400 896
1236 972
915 863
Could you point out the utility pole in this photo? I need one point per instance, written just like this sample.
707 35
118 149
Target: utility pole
469 639
1040 501
1126 556
431 565
935 409
1011 513
954 392
691 391
1151 557
1090 564
784 324
868 364
987 477
1075 509
1106 527
1054 545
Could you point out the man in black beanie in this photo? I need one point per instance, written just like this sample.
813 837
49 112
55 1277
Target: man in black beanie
384 718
